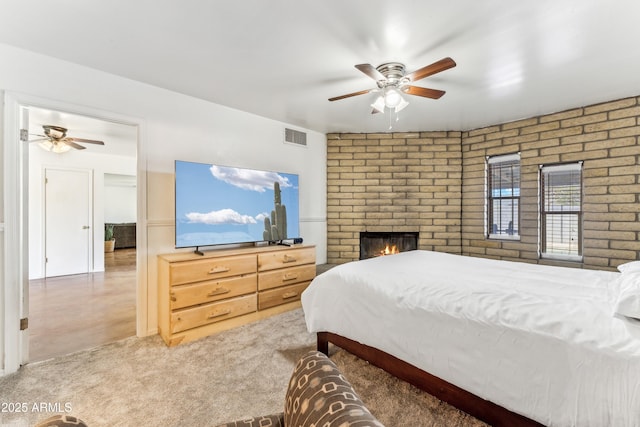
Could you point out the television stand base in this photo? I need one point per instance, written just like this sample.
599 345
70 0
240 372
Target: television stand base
197 251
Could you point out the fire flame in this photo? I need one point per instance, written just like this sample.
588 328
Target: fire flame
389 250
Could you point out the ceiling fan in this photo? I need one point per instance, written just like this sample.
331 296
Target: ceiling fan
392 79
55 139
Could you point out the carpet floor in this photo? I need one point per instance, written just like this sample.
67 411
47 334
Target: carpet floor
228 376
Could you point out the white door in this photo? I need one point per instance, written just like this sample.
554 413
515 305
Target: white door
67 221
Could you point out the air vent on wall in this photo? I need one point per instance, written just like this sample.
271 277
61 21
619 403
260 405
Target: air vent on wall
295 137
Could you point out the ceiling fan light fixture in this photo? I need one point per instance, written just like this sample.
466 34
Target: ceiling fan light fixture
403 103
392 97
58 147
378 105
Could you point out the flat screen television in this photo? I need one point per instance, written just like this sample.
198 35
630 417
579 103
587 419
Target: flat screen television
218 205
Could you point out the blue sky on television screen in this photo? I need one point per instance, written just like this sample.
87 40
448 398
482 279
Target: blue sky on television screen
219 205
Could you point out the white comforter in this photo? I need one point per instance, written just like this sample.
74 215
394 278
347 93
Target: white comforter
541 341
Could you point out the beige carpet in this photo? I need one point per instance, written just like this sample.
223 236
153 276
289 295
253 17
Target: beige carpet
235 374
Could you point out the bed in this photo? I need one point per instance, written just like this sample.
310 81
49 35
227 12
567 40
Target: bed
508 342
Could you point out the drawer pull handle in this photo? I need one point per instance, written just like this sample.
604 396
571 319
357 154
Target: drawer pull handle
219 313
288 295
288 258
289 276
218 291
219 269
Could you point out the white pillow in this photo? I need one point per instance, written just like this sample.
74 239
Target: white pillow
628 303
629 267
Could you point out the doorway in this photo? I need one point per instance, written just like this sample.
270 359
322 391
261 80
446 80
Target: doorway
78 298
17 251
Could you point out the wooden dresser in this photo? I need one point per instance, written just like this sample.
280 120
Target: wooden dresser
200 295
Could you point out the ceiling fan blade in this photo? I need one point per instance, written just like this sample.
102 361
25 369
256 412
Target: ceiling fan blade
73 144
362 92
429 70
38 140
86 141
371 71
423 91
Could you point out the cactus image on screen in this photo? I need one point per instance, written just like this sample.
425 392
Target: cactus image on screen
275 228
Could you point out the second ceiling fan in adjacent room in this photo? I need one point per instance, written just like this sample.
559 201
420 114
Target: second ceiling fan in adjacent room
55 139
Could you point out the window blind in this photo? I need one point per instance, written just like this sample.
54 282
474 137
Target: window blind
503 195
561 209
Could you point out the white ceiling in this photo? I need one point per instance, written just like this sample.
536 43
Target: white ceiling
283 59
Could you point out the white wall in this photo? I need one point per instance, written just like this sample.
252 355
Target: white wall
174 126
119 203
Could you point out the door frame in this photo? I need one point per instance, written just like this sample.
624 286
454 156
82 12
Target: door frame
14 293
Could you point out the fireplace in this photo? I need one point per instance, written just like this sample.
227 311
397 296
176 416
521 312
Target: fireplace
373 244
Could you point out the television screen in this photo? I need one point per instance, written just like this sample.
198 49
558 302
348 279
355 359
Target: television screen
218 205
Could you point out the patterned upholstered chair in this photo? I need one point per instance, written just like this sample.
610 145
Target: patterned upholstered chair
318 395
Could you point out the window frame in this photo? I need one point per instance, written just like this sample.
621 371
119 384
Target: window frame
543 237
490 198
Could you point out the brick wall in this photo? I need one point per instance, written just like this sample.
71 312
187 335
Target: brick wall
605 138
433 182
393 182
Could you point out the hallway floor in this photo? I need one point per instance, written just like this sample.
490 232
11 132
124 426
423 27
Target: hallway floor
72 313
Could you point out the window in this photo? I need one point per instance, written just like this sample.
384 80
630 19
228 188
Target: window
503 197
561 211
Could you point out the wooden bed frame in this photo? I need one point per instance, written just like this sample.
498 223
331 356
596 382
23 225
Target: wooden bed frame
478 407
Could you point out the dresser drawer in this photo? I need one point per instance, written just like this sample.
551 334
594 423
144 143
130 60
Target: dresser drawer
286 276
188 318
211 268
211 290
289 258
282 295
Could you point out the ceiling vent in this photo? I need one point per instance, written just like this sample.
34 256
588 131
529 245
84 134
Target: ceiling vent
295 137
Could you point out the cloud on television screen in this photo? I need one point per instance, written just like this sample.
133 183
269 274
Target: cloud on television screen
223 216
248 179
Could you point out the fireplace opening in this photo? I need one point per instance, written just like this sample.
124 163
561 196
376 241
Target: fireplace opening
373 244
